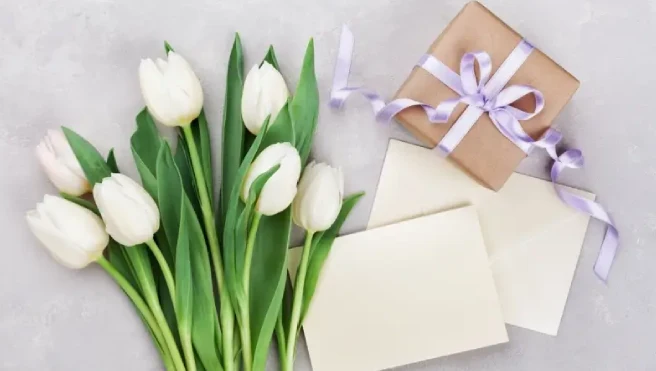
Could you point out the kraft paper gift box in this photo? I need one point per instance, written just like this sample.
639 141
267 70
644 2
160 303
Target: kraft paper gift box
484 153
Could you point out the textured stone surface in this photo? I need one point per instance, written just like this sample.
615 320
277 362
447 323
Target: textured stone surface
75 63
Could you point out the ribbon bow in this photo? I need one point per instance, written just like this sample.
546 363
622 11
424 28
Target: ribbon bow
490 95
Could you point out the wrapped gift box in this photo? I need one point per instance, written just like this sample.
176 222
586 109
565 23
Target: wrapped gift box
484 152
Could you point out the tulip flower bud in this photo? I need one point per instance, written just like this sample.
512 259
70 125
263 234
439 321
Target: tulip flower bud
319 198
60 164
172 91
265 93
131 215
279 191
73 235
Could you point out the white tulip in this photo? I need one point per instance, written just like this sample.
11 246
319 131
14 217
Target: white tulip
319 198
172 91
60 164
131 215
73 235
265 93
279 191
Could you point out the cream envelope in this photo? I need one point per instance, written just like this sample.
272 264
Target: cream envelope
403 293
532 238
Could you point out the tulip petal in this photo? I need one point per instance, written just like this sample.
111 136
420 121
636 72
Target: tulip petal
77 223
250 101
180 75
155 93
59 174
319 197
64 152
279 191
130 213
61 249
73 235
275 90
142 198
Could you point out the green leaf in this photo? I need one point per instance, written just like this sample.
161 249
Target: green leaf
271 57
205 327
170 193
269 274
148 179
111 161
174 208
145 145
233 128
321 246
184 288
202 138
282 129
305 105
146 140
93 164
183 162
234 209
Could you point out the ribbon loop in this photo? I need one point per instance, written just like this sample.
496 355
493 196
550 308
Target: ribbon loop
468 73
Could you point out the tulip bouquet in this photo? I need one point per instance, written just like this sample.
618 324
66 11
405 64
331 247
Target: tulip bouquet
205 265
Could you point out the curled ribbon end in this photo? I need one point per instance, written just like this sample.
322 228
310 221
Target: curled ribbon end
336 103
603 276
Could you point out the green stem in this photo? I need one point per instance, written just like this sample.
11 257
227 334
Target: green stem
227 314
245 307
166 271
141 306
299 286
250 245
280 342
188 350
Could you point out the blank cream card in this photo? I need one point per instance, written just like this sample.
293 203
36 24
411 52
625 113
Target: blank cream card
403 293
532 238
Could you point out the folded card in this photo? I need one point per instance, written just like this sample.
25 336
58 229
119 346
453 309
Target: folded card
532 238
403 293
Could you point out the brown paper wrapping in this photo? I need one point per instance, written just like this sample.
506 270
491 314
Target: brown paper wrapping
484 153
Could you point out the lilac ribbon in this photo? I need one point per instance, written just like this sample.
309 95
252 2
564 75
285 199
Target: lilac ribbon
490 95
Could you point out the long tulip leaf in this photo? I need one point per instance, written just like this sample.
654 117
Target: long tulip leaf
183 281
233 128
146 140
269 267
305 105
183 162
202 138
145 144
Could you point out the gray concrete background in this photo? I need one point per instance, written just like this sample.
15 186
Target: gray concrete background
75 63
